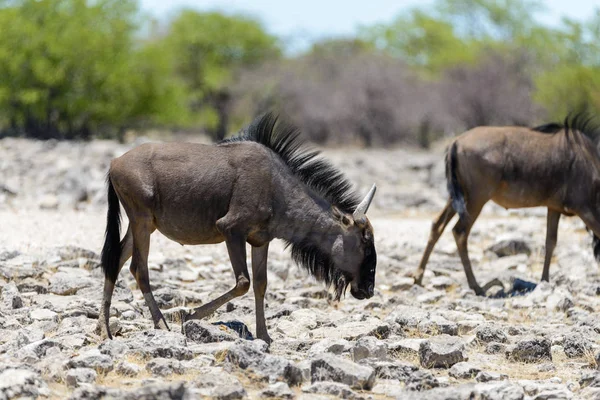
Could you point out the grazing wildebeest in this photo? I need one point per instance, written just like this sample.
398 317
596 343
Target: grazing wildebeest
262 185
555 165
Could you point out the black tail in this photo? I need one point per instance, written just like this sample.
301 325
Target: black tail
456 193
111 252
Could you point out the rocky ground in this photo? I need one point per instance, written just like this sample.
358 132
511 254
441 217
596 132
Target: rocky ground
438 341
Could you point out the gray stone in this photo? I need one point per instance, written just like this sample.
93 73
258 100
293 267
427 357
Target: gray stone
125 368
431 297
436 324
421 380
156 343
69 283
390 369
42 314
485 376
92 359
555 394
22 383
406 347
166 391
6 255
164 367
510 247
530 350
575 345
442 282
407 317
487 391
402 284
591 379
39 348
274 368
168 298
113 348
48 202
245 354
369 347
11 298
489 333
204 332
463 370
336 389
77 376
352 330
495 348
252 355
219 385
327 345
32 285
329 367
279 390
89 392
442 352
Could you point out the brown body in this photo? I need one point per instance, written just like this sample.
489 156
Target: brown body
551 166
235 192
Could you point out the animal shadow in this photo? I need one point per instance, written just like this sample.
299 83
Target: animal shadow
519 287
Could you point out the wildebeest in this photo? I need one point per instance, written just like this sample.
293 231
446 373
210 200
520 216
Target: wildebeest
262 185
554 165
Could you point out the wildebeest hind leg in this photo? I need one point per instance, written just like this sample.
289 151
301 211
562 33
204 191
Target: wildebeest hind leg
236 247
551 236
109 286
142 229
437 228
461 234
259 283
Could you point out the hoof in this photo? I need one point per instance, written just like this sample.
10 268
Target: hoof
418 278
266 338
103 331
103 327
162 325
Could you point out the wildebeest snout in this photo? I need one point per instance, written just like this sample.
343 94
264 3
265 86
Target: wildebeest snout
362 293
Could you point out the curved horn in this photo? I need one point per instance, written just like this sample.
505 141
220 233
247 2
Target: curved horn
361 209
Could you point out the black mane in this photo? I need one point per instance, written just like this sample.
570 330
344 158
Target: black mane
582 122
319 175
305 163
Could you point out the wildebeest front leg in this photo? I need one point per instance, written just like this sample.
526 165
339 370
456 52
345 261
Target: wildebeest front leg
236 247
437 228
551 235
259 281
109 286
139 269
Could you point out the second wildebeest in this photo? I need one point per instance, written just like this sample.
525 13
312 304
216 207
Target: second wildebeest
555 165
251 189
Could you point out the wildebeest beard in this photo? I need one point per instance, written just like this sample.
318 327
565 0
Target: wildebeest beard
320 265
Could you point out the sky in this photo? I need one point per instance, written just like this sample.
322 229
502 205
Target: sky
300 22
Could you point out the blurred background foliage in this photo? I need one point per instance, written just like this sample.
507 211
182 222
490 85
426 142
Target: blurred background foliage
77 69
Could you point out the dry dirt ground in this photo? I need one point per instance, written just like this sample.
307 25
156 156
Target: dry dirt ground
438 341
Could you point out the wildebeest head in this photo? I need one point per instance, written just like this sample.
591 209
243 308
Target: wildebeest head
353 251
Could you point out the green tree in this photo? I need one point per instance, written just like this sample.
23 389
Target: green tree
422 40
208 50
72 68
